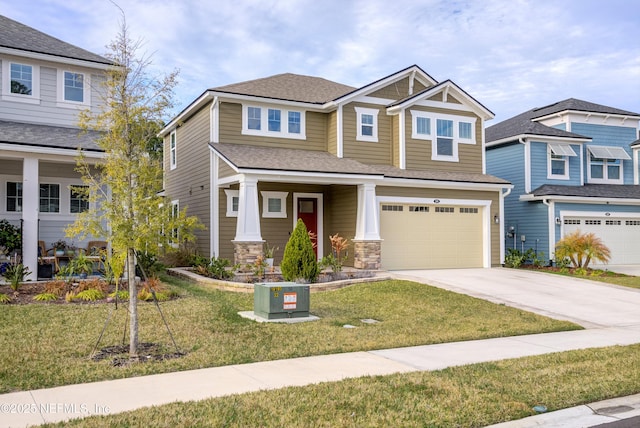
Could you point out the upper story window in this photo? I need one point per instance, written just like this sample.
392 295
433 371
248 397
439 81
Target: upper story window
558 161
367 124
605 164
173 155
14 196
273 122
444 131
49 198
20 82
78 199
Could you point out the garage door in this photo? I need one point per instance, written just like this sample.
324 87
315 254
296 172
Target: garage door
621 235
431 236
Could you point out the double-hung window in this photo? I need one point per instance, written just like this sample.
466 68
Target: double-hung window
21 82
273 122
78 199
367 124
49 198
14 196
444 139
606 164
558 160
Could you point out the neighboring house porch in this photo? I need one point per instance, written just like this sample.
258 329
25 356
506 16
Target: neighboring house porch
37 179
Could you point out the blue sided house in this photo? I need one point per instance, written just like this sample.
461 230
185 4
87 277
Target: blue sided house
574 165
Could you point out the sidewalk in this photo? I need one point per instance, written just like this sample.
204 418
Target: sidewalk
26 408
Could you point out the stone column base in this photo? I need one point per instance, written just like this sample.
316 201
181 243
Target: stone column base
367 255
246 252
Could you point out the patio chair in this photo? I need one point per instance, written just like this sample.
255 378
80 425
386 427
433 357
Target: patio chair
96 251
46 261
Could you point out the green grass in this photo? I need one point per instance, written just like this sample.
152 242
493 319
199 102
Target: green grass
626 281
469 396
50 343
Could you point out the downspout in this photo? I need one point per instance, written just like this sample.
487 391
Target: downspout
214 192
552 226
527 164
504 223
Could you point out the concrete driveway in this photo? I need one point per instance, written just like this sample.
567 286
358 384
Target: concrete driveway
588 303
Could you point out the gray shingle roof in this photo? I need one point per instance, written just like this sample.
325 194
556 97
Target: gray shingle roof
278 159
289 87
524 123
628 191
47 136
462 177
19 36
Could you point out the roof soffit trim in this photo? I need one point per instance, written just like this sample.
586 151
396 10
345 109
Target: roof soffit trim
55 58
539 138
583 113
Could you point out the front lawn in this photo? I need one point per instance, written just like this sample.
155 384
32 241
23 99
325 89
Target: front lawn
470 396
48 345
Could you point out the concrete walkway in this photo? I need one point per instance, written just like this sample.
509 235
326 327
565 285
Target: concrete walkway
604 329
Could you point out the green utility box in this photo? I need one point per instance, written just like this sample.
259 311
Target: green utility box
277 300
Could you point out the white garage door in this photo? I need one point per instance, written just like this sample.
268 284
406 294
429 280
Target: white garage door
621 235
431 236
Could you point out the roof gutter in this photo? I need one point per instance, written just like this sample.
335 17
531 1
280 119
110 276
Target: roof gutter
542 138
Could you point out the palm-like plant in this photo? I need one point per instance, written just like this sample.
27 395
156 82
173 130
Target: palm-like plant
581 248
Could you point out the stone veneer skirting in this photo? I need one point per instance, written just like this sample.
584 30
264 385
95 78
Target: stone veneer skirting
367 255
246 252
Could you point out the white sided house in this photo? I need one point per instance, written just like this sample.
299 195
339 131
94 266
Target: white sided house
44 83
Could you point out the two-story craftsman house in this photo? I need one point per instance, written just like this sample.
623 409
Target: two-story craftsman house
44 83
574 165
396 166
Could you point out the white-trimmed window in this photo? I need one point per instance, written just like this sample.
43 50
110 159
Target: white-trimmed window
73 88
367 124
175 213
445 132
49 198
21 82
173 155
14 196
605 164
558 160
78 199
233 202
274 204
273 122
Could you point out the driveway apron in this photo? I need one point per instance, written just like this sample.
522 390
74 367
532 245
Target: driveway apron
587 303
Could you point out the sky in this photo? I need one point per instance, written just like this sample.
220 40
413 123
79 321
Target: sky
510 55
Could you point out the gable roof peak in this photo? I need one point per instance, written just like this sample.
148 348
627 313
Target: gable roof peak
575 104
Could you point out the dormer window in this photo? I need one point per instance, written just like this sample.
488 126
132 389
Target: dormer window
273 122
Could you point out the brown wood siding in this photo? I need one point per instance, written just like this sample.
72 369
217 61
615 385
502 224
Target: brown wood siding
365 151
189 181
230 116
394 91
332 133
342 209
224 170
418 86
494 197
418 152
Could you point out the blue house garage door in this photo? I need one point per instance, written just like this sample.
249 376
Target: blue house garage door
621 235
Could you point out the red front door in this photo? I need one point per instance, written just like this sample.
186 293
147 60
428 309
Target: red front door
307 211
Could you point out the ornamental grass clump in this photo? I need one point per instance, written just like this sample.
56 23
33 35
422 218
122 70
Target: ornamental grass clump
299 261
581 248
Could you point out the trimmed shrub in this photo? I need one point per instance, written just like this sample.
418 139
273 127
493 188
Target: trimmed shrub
299 261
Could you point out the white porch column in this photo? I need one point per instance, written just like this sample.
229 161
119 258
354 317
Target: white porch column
367 224
248 223
30 207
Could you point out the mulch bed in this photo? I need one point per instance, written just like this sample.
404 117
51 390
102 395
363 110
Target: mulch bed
146 352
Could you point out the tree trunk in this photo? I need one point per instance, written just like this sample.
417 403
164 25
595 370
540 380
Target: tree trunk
133 304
